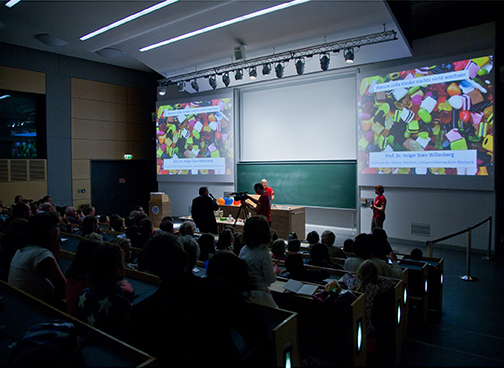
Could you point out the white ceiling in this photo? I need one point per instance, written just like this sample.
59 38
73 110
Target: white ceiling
304 25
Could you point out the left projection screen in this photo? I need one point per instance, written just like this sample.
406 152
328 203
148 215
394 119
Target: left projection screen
194 138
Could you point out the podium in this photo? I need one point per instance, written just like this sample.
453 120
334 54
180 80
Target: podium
284 219
159 207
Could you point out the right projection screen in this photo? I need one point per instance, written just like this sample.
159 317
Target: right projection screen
432 125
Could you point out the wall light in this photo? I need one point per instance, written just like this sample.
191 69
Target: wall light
181 86
239 74
195 85
225 79
300 66
161 90
253 73
266 69
349 55
324 62
279 70
212 81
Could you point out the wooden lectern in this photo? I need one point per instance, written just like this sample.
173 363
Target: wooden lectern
159 207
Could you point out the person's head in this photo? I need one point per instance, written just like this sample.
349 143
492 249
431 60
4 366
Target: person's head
319 253
238 243
88 210
43 230
104 219
46 199
168 218
363 245
382 246
264 183
294 263
274 235
18 198
328 238
106 264
206 243
21 209
278 249
117 223
95 236
80 265
225 241
379 190
125 245
203 191
89 225
313 237
259 189
71 211
294 246
256 231
139 208
367 273
228 266
167 226
192 248
416 254
187 228
47 207
164 256
34 208
348 245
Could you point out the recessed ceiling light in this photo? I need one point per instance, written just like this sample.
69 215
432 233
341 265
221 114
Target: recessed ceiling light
225 24
109 52
50 40
128 19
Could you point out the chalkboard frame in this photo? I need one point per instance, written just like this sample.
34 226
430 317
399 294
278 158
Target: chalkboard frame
308 184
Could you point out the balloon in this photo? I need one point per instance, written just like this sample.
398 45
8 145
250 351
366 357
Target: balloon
236 203
221 201
228 201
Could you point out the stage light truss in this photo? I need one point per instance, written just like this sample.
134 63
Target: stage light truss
284 56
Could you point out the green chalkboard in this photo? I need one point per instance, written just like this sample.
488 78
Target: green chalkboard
317 184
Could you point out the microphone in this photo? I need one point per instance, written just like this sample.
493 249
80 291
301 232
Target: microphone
211 195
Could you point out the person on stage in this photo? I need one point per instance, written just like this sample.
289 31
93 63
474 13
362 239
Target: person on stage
202 211
378 208
262 205
268 190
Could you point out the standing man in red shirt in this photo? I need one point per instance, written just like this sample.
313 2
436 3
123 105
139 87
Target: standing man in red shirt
378 208
263 204
268 190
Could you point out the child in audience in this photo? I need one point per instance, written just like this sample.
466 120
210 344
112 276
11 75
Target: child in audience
416 254
238 243
256 254
206 243
192 248
293 246
319 256
297 271
228 266
103 305
328 239
278 250
225 241
77 275
362 248
312 238
348 245
128 253
382 247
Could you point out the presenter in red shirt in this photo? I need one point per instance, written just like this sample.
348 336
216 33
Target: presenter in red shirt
263 204
268 190
378 208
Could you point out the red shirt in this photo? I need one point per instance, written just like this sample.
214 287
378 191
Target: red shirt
269 191
379 201
265 210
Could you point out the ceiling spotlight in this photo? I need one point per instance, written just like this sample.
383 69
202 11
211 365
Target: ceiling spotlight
324 62
300 66
161 90
239 74
181 86
195 85
212 81
225 79
253 73
279 69
349 55
266 69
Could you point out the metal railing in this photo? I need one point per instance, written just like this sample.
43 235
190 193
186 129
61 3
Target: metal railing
467 276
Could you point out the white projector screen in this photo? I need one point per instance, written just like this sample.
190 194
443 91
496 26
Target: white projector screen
300 121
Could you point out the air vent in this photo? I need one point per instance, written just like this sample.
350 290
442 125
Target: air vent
420 229
37 170
19 170
23 170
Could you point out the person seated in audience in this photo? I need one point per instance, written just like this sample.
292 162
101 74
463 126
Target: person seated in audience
206 243
256 255
117 223
166 324
192 249
72 216
104 219
291 236
328 238
20 214
139 209
89 225
416 254
129 256
103 305
238 243
77 275
348 246
297 270
144 232
293 246
46 199
312 238
319 256
367 281
166 226
88 210
47 207
382 247
96 237
228 266
187 228
225 241
274 235
34 207
34 268
278 250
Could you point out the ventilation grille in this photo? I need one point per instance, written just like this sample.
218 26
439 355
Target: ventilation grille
23 170
420 229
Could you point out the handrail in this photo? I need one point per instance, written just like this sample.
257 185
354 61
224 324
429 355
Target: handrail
468 276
